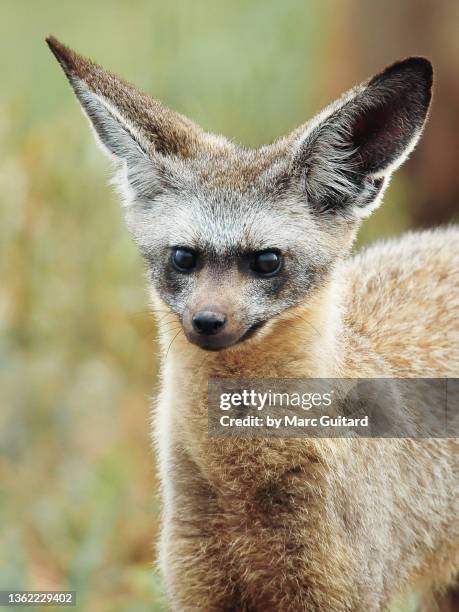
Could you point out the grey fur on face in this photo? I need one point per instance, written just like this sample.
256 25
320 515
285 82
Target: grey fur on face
225 227
301 197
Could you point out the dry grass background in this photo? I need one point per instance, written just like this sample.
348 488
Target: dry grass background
78 356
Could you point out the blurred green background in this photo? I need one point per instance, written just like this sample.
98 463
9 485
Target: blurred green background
78 355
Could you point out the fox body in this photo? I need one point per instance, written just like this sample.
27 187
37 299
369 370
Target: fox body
248 254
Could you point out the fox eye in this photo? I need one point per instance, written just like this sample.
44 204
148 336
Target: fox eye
184 260
266 263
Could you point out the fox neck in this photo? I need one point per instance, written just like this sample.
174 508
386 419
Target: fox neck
306 341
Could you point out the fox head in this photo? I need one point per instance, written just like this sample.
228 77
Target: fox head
234 237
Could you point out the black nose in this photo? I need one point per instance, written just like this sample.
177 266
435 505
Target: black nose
208 323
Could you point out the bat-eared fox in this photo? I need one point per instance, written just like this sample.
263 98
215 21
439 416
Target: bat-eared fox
248 257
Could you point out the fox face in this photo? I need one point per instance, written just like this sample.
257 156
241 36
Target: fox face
227 253
235 237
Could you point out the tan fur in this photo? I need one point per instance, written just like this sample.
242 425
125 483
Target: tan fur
318 524
257 525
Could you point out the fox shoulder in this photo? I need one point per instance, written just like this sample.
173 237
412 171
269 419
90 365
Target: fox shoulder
404 295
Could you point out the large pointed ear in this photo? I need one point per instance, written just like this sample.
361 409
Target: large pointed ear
346 155
132 127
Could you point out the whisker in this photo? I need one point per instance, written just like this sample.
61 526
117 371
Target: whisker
165 324
171 329
163 321
169 347
303 318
